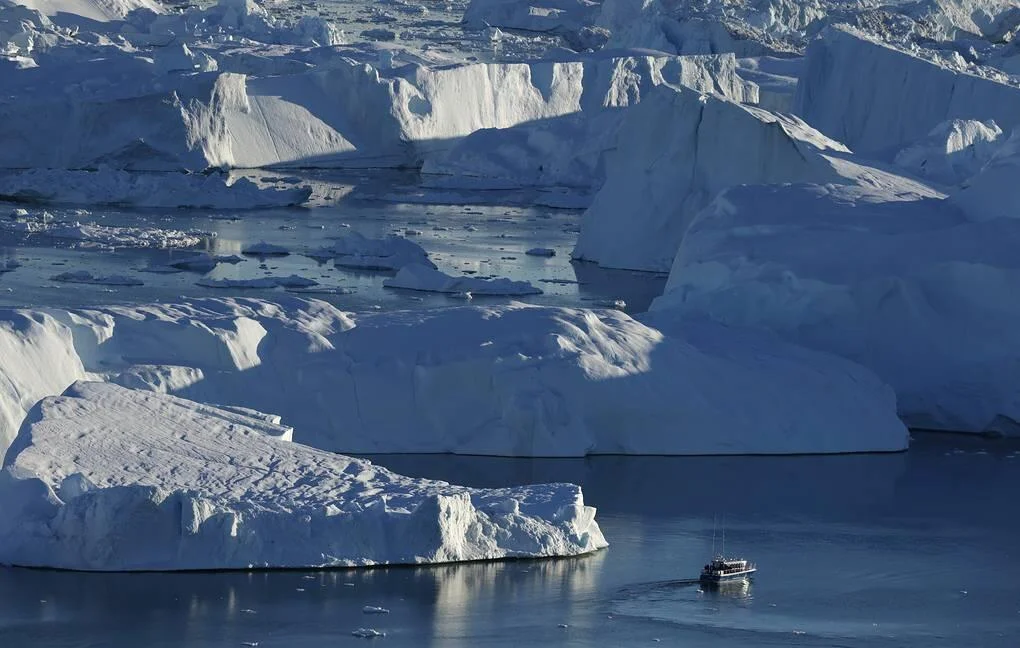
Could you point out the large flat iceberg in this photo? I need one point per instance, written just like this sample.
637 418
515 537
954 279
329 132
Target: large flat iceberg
513 380
109 478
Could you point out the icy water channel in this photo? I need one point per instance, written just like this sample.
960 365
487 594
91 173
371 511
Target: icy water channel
466 240
916 549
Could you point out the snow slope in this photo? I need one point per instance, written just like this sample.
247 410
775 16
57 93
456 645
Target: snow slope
676 150
514 380
109 478
877 99
952 152
883 273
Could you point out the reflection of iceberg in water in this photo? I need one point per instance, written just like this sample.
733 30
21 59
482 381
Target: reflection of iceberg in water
460 589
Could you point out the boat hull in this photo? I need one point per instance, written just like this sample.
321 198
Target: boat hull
726 578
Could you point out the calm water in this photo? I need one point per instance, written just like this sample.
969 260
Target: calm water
916 549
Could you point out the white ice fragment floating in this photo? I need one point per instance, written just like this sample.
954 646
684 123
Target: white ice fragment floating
368 633
86 277
372 609
293 282
423 278
541 252
391 253
265 249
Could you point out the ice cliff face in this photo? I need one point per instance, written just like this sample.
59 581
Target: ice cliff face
658 177
877 99
888 274
511 380
109 478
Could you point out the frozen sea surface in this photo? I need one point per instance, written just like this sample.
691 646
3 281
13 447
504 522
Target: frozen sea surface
465 239
909 550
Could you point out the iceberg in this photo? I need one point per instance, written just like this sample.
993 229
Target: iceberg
508 380
877 99
149 190
886 274
952 152
566 151
426 279
115 479
676 151
994 192
391 253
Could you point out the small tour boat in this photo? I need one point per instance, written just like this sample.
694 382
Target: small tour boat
722 570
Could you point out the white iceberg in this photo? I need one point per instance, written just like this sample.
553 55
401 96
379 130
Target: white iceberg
877 99
676 151
424 278
121 188
264 283
995 191
880 272
109 478
952 152
567 151
510 380
390 253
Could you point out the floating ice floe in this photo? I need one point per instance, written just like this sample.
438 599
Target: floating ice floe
265 249
424 278
513 380
108 478
387 254
86 277
291 282
122 188
105 235
541 252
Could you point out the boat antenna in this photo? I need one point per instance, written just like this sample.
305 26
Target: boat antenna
715 520
724 537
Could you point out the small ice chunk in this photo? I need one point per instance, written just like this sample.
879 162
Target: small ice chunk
368 633
265 249
86 277
542 252
372 609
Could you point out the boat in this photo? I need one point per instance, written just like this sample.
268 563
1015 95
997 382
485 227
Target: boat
724 570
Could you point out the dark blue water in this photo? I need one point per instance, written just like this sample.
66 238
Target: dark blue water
916 549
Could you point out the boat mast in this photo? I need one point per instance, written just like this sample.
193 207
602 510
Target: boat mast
724 538
715 519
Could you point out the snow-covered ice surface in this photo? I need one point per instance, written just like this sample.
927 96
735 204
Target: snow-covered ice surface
517 379
109 478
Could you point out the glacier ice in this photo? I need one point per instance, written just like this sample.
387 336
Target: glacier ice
512 379
108 478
